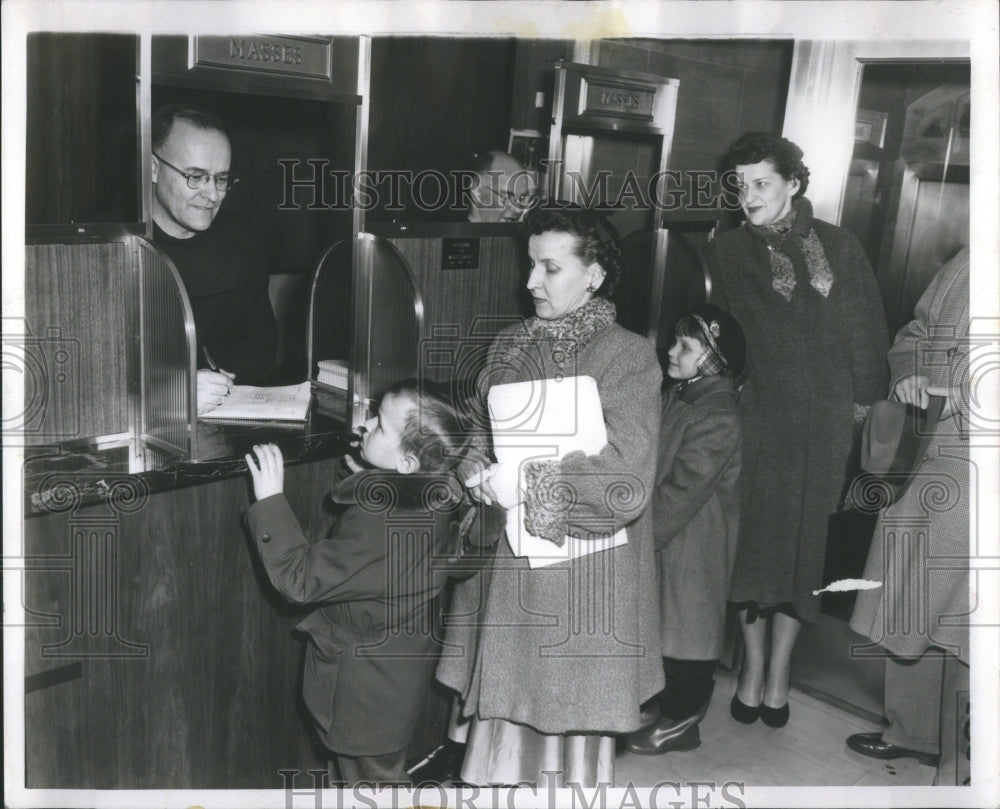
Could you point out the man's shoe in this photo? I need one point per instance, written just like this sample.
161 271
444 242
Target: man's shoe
873 745
668 734
650 713
664 736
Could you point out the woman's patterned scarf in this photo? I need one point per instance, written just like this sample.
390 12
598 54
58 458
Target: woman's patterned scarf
794 232
562 337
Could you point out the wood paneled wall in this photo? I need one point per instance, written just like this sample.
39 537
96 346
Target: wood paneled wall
727 87
467 306
204 690
77 312
82 136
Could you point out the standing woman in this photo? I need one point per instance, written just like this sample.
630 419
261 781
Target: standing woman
816 335
552 661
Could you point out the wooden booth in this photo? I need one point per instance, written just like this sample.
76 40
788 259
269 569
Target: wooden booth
157 655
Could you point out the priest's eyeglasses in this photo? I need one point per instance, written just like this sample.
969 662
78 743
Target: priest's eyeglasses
199 179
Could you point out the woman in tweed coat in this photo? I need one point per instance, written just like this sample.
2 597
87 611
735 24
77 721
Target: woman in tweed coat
552 661
919 611
807 300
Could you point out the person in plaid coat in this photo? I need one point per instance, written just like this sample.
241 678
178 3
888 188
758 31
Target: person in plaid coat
919 615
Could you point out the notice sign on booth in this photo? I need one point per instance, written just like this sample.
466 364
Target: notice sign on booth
460 254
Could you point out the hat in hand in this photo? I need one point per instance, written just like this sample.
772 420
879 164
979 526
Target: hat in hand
895 439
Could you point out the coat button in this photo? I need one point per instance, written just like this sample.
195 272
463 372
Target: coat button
265 537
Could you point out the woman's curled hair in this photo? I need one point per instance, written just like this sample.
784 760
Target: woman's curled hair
754 147
596 238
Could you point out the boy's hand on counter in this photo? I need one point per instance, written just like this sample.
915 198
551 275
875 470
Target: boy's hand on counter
267 471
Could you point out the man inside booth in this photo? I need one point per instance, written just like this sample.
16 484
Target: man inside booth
503 190
218 255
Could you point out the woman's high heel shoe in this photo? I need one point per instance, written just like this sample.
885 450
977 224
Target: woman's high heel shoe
774 717
741 712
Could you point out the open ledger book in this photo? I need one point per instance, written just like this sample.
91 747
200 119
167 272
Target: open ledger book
544 420
247 403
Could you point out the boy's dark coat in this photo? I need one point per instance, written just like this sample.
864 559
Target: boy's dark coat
371 653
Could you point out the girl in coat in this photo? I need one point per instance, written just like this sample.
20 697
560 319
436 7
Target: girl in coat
371 654
695 521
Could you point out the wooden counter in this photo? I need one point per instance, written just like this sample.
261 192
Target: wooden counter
157 653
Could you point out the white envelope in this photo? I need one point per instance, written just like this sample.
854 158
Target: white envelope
543 420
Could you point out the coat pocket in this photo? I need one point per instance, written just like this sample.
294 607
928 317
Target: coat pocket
324 657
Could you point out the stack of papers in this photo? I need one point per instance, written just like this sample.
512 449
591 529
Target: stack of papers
331 388
333 373
245 402
545 420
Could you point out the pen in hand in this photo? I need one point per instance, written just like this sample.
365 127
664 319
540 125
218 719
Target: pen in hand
208 359
216 369
214 385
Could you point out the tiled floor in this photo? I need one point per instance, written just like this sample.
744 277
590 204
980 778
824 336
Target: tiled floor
808 751
843 667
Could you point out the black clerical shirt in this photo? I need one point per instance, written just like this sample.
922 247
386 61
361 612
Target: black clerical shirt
226 277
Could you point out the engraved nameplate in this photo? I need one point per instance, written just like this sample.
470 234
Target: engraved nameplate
610 99
290 56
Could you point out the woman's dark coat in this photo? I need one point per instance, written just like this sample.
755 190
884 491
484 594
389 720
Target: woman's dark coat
810 360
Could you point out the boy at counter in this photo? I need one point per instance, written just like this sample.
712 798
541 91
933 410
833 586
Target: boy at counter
371 654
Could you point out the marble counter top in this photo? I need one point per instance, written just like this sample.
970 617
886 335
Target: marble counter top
57 479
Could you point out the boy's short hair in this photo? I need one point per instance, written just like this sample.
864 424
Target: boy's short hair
432 432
